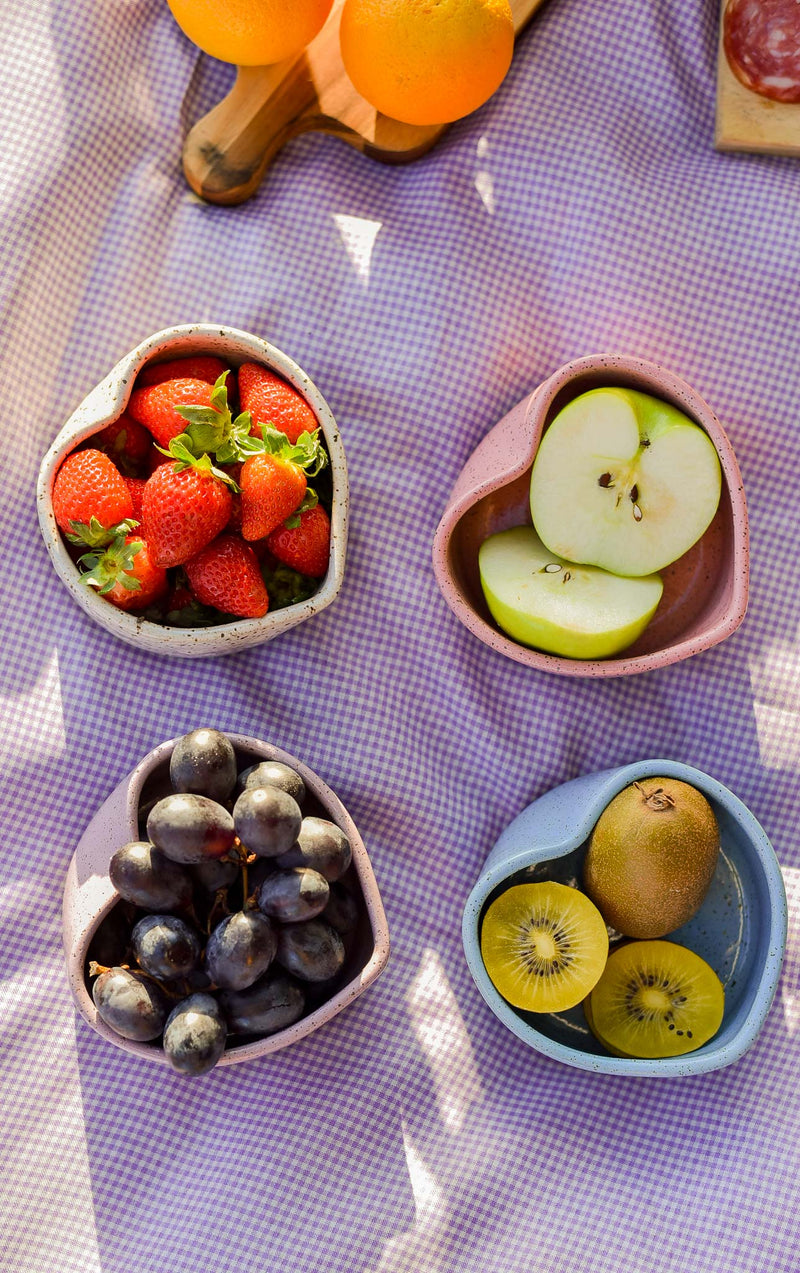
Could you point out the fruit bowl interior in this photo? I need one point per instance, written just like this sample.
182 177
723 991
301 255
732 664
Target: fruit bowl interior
705 590
105 403
740 929
90 899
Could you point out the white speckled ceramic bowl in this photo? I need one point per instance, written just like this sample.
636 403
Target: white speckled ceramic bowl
89 896
105 403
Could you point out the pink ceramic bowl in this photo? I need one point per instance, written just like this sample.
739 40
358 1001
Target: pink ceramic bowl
705 590
89 895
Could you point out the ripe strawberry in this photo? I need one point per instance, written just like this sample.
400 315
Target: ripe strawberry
182 511
226 575
180 597
272 488
125 442
235 524
136 487
183 610
195 367
89 487
155 406
125 574
270 400
305 547
155 459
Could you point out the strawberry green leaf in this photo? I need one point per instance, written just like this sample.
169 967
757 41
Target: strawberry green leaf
310 500
205 429
181 452
211 430
95 535
103 570
219 393
308 452
311 454
286 587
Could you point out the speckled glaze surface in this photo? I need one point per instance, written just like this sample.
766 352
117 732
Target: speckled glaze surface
705 591
89 895
740 929
104 404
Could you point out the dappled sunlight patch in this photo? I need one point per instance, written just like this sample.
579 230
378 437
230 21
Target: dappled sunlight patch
442 1036
358 235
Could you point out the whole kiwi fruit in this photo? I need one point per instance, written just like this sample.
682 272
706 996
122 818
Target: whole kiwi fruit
651 857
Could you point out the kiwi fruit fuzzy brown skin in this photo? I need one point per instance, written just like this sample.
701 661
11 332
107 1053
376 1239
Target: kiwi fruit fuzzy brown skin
652 857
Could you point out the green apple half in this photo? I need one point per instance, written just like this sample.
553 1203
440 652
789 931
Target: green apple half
542 600
624 481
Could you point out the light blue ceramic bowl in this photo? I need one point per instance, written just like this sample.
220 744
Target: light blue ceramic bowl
740 930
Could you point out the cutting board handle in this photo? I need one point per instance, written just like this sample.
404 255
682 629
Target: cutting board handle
228 151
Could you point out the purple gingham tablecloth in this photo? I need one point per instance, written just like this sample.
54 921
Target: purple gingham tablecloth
582 209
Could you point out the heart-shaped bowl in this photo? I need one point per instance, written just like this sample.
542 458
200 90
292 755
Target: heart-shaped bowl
89 895
740 929
105 403
705 590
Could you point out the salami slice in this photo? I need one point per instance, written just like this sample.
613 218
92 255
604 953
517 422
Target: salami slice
762 44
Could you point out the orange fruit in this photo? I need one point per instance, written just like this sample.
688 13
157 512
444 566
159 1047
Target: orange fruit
251 32
426 61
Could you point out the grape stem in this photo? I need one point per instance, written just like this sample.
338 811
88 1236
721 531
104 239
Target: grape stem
220 903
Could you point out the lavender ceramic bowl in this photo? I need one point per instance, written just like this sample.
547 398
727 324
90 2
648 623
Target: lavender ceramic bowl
705 591
106 403
89 896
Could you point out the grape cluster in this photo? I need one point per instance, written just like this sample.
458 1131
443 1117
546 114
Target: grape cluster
233 919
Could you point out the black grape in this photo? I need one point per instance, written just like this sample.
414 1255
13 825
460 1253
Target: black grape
165 946
129 1003
271 1004
143 875
203 762
321 845
214 874
293 896
240 950
267 820
312 951
342 910
190 828
273 773
194 1036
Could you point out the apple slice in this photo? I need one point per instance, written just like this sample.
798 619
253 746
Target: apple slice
624 481
542 600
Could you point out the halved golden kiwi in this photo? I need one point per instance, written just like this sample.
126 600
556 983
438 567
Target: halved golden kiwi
655 999
544 946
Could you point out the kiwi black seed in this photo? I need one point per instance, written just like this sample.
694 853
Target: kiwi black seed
543 945
655 999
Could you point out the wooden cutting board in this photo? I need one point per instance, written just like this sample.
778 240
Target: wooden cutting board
227 152
747 121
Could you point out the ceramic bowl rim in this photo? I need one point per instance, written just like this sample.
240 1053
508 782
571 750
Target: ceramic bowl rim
75 954
617 665
763 856
105 403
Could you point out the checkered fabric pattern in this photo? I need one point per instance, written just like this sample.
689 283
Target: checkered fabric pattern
583 209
